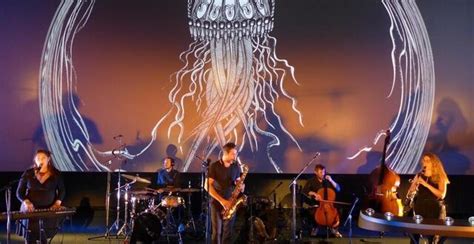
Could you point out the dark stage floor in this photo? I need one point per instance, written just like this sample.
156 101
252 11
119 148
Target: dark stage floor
359 236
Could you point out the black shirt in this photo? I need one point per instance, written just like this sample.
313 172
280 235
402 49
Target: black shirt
41 195
314 185
224 178
426 203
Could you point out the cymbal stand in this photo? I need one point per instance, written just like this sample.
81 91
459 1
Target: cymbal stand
126 228
116 223
189 206
205 185
108 193
171 226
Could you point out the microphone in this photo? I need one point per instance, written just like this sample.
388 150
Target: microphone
122 153
204 162
38 168
314 157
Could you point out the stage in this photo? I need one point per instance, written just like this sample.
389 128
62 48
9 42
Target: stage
272 187
359 236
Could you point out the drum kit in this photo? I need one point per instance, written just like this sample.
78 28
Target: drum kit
156 212
146 214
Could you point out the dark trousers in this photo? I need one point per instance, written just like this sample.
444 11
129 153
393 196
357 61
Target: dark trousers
431 209
30 229
221 229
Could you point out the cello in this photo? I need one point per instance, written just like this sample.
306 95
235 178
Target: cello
326 214
384 182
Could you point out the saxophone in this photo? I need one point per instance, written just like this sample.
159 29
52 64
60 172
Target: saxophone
412 191
237 198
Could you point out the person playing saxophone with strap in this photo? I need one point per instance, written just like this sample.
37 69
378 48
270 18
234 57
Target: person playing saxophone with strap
223 176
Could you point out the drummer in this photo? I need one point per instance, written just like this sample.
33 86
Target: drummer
167 176
167 182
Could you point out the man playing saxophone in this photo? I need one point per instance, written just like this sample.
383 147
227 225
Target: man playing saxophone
223 176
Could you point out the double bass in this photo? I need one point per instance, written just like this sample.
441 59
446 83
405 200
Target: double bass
384 183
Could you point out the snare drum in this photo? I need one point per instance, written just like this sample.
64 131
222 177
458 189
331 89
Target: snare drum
172 201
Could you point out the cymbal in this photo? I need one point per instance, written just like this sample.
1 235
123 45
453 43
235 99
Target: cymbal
136 178
190 190
165 189
142 193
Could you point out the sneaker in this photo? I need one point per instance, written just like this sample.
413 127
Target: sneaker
314 232
336 233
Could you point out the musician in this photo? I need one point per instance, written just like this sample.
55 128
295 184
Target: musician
222 177
40 187
167 176
311 188
432 187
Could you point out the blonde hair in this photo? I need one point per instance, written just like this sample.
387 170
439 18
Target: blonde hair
438 172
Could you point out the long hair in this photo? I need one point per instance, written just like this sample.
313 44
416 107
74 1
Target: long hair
438 172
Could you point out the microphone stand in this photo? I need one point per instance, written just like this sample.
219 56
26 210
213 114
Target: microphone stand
293 185
204 176
274 193
349 219
8 194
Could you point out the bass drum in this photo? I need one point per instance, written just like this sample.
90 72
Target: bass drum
147 228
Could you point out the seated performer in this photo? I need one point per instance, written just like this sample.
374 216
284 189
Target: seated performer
311 188
223 176
40 187
167 176
432 187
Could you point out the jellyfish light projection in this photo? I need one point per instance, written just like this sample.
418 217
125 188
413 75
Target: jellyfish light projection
233 74
413 70
232 77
